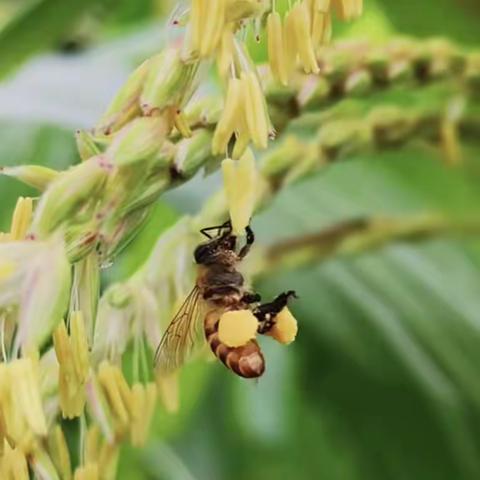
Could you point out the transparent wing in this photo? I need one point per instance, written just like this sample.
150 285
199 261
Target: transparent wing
180 337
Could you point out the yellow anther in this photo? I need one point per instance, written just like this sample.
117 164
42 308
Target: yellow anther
25 393
225 53
237 327
255 110
230 117
240 180
21 219
73 359
276 48
118 393
303 38
13 464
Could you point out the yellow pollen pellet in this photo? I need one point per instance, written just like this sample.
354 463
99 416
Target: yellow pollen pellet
237 327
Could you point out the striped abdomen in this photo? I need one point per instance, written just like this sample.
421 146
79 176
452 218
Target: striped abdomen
246 361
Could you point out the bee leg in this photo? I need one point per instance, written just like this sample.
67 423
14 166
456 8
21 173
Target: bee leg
219 228
267 312
249 242
251 297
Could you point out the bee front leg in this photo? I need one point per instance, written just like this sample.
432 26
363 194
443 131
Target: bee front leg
249 242
267 312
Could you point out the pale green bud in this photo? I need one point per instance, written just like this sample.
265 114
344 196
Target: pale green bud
170 82
126 104
35 176
150 193
77 186
86 145
138 141
192 154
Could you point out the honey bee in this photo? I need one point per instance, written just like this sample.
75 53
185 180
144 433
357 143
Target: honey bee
219 288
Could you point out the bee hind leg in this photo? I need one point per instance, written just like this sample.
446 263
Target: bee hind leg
267 312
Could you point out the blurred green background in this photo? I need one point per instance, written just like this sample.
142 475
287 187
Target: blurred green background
383 382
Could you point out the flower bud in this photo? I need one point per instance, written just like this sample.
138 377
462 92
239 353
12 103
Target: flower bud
86 144
237 327
285 328
138 141
240 180
68 192
192 154
126 104
225 53
35 176
169 83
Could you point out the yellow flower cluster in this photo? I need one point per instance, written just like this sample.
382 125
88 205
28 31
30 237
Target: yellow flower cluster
245 115
131 408
297 38
73 358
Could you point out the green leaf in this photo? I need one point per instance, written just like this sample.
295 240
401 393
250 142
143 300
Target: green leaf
388 343
37 28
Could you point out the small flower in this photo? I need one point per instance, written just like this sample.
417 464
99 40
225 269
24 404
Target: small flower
237 327
170 82
168 390
68 193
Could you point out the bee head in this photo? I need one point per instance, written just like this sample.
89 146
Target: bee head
217 250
